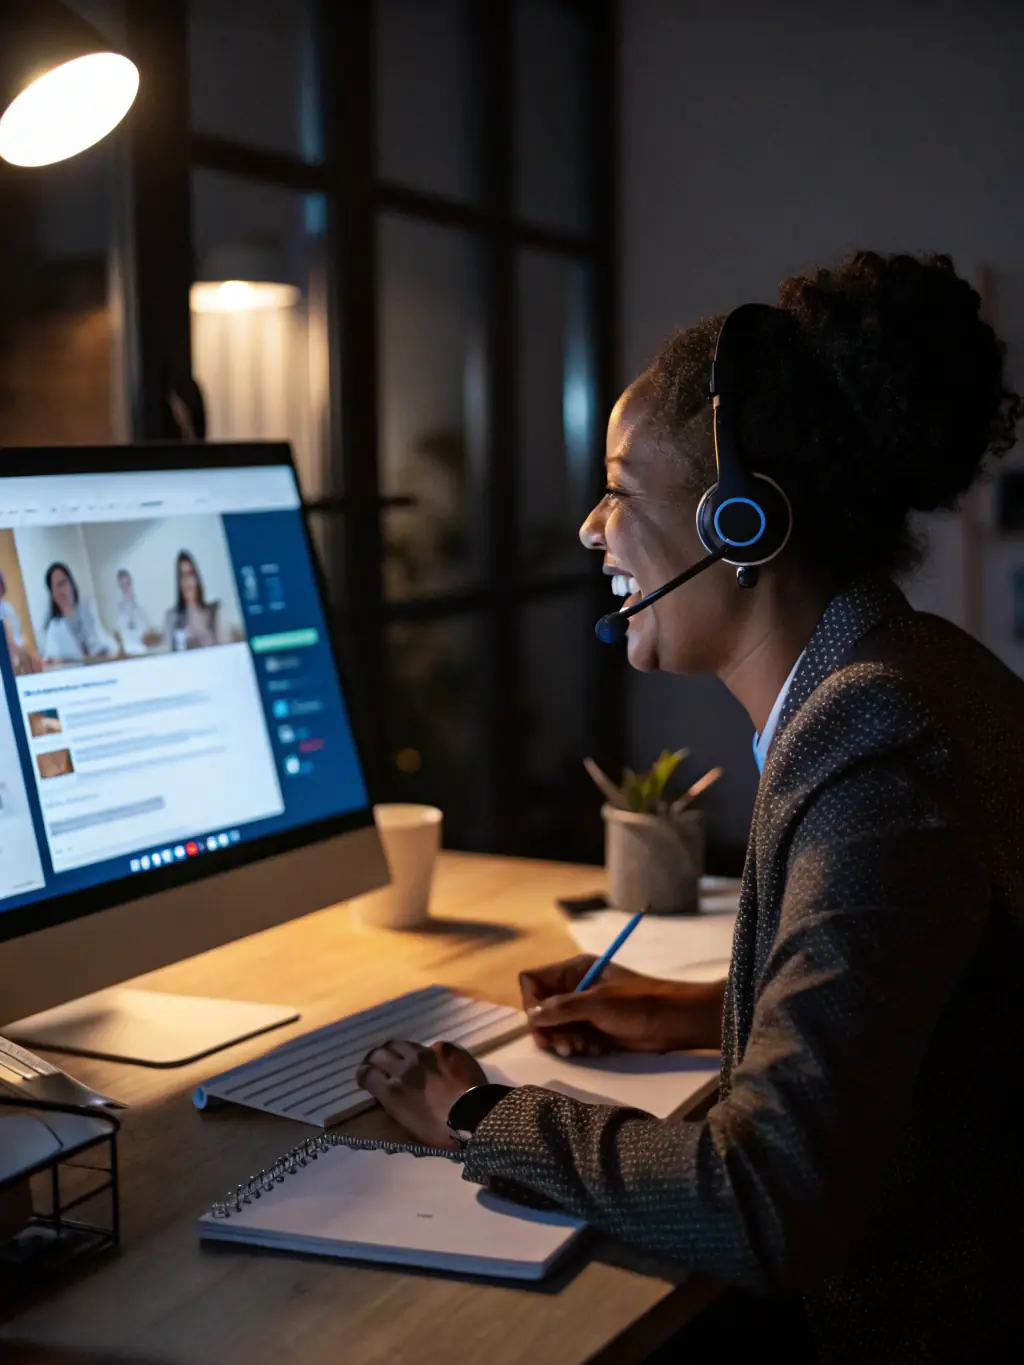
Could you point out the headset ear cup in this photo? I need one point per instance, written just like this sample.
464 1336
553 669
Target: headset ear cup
777 524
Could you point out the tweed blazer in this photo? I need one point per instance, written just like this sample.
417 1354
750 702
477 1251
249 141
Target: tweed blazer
864 1151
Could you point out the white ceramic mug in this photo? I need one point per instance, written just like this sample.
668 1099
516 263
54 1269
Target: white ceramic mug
411 836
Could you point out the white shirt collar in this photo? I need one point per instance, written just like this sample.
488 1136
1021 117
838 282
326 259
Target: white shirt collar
763 741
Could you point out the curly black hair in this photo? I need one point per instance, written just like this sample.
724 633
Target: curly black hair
876 391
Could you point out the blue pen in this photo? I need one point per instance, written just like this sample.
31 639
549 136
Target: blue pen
610 952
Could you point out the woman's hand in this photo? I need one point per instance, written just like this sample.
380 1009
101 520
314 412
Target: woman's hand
27 661
418 1085
624 1011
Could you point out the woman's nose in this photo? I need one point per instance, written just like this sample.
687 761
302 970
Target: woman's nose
592 530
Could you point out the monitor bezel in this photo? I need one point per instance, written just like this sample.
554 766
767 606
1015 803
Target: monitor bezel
152 457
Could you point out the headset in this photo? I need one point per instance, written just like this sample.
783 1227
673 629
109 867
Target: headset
744 518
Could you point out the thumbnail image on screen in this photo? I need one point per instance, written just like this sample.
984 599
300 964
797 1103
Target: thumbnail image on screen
124 590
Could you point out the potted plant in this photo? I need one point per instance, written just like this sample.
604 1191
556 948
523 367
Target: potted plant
654 847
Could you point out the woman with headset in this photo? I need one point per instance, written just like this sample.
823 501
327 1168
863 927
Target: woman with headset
861 1162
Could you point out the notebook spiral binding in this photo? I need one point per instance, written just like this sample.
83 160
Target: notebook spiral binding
310 1150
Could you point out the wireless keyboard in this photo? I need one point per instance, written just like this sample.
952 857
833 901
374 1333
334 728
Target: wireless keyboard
313 1078
29 1077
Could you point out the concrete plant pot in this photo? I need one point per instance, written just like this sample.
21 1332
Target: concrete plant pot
654 860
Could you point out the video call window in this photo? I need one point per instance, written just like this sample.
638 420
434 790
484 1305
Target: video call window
85 594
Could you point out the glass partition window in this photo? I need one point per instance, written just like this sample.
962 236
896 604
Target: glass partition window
554 104
557 411
436 723
431 406
428 117
557 641
253 76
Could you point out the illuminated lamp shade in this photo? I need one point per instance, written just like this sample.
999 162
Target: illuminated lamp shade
62 86
241 296
243 278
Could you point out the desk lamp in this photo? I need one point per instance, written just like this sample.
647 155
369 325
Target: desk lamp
62 87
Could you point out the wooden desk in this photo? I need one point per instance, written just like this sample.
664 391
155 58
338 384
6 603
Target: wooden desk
167 1300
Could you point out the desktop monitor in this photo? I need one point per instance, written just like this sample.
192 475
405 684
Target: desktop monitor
178 762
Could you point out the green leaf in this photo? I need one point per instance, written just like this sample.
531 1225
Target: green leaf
643 792
632 789
660 776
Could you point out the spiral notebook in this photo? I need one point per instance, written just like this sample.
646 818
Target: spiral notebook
403 1204
393 1203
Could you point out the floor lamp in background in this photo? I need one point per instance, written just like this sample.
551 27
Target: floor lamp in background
259 356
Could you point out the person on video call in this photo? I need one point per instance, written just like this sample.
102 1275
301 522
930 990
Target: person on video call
193 623
73 630
9 617
23 659
132 622
861 1167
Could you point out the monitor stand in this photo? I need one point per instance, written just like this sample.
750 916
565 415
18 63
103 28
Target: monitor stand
147 1027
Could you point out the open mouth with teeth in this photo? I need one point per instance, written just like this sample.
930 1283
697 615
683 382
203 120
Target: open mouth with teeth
624 586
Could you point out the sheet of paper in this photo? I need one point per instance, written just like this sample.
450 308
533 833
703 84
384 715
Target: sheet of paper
674 947
658 1085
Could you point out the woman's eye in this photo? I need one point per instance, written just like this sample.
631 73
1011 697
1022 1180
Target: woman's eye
614 493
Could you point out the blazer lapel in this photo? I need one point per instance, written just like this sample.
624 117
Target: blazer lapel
851 614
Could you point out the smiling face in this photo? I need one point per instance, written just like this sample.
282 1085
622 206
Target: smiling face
62 591
645 526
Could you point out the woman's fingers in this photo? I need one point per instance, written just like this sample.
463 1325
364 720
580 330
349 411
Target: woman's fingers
571 1023
372 1080
555 979
532 989
556 982
391 1057
404 1050
574 1007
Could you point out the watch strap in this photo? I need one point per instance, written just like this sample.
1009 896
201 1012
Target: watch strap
472 1107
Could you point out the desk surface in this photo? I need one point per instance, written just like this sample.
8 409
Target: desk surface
166 1300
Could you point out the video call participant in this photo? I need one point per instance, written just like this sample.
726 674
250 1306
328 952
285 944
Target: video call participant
193 623
23 659
863 1163
73 632
9 617
131 620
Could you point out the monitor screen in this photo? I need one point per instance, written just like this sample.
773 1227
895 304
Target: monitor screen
171 697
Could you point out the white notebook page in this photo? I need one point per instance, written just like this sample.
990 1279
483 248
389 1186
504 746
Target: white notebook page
401 1209
657 1084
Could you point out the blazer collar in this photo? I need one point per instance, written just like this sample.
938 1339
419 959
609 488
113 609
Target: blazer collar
852 612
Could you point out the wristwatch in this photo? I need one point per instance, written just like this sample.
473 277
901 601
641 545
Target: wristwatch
472 1107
